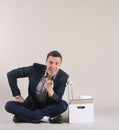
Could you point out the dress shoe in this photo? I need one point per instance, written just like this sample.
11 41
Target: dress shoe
18 119
56 119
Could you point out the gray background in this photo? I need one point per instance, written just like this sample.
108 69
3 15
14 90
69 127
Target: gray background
84 31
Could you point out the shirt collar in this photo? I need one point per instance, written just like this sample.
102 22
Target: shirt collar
53 78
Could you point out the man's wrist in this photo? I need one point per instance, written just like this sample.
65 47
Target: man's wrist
17 96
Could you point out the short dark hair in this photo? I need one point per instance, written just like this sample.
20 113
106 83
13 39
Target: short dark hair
54 53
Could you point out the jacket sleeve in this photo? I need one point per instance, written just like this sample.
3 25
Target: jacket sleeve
59 87
13 75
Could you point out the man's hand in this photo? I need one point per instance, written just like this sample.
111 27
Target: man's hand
49 87
19 99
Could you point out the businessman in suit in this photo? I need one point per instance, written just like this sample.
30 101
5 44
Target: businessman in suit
46 87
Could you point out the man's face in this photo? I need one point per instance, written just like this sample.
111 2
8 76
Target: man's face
53 65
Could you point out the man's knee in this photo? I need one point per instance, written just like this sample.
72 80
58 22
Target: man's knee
64 105
8 105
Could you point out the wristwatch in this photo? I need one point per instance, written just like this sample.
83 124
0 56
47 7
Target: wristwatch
17 96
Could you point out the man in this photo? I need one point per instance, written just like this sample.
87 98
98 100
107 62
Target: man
46 87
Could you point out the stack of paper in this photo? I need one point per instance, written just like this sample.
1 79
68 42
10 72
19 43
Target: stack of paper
85 97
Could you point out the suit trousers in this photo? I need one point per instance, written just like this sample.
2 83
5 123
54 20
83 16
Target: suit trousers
35 115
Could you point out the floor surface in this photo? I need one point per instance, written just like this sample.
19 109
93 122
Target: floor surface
105 119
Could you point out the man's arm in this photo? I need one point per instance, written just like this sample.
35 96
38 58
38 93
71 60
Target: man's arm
14 75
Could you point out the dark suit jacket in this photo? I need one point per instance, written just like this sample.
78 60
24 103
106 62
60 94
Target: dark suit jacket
34 74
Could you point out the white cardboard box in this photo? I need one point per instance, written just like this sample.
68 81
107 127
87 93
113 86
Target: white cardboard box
81 111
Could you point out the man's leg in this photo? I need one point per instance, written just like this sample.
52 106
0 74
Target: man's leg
18 109
36 115
55 109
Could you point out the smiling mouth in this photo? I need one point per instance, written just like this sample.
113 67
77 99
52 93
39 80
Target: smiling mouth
52 71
